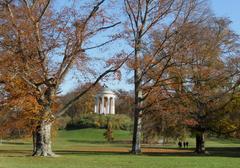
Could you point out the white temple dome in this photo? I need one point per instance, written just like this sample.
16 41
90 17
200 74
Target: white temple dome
106 90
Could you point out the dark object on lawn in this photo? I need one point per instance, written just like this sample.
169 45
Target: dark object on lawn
180 144
186 144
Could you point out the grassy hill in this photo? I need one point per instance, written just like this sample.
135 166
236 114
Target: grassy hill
87 148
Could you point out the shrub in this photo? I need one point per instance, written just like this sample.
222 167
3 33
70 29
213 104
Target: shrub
62 122
108 134
122 122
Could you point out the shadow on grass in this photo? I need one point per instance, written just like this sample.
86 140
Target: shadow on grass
15 153
15 143
212 152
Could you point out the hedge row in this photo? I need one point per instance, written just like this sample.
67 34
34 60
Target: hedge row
121 122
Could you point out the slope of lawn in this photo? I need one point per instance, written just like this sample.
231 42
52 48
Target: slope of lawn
87 148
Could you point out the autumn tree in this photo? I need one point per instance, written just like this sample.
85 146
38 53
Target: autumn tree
201 90
124 103
229 125
43 44
145 17
19 109
206 83
165 119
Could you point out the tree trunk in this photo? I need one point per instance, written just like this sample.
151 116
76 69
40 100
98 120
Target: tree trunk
34 141
200 142
137 129
42 140
136 142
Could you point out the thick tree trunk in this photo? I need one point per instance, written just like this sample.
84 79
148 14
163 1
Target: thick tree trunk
136 142
42 140
200 142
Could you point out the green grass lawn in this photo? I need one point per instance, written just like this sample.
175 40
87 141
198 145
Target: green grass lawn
87 148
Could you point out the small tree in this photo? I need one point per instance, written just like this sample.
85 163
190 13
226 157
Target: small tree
109 130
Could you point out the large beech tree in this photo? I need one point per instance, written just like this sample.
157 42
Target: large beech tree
200 92
205 81
145 17
41 45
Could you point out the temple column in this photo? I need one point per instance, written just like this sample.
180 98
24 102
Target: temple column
108 105
102 109
113 105
96 104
